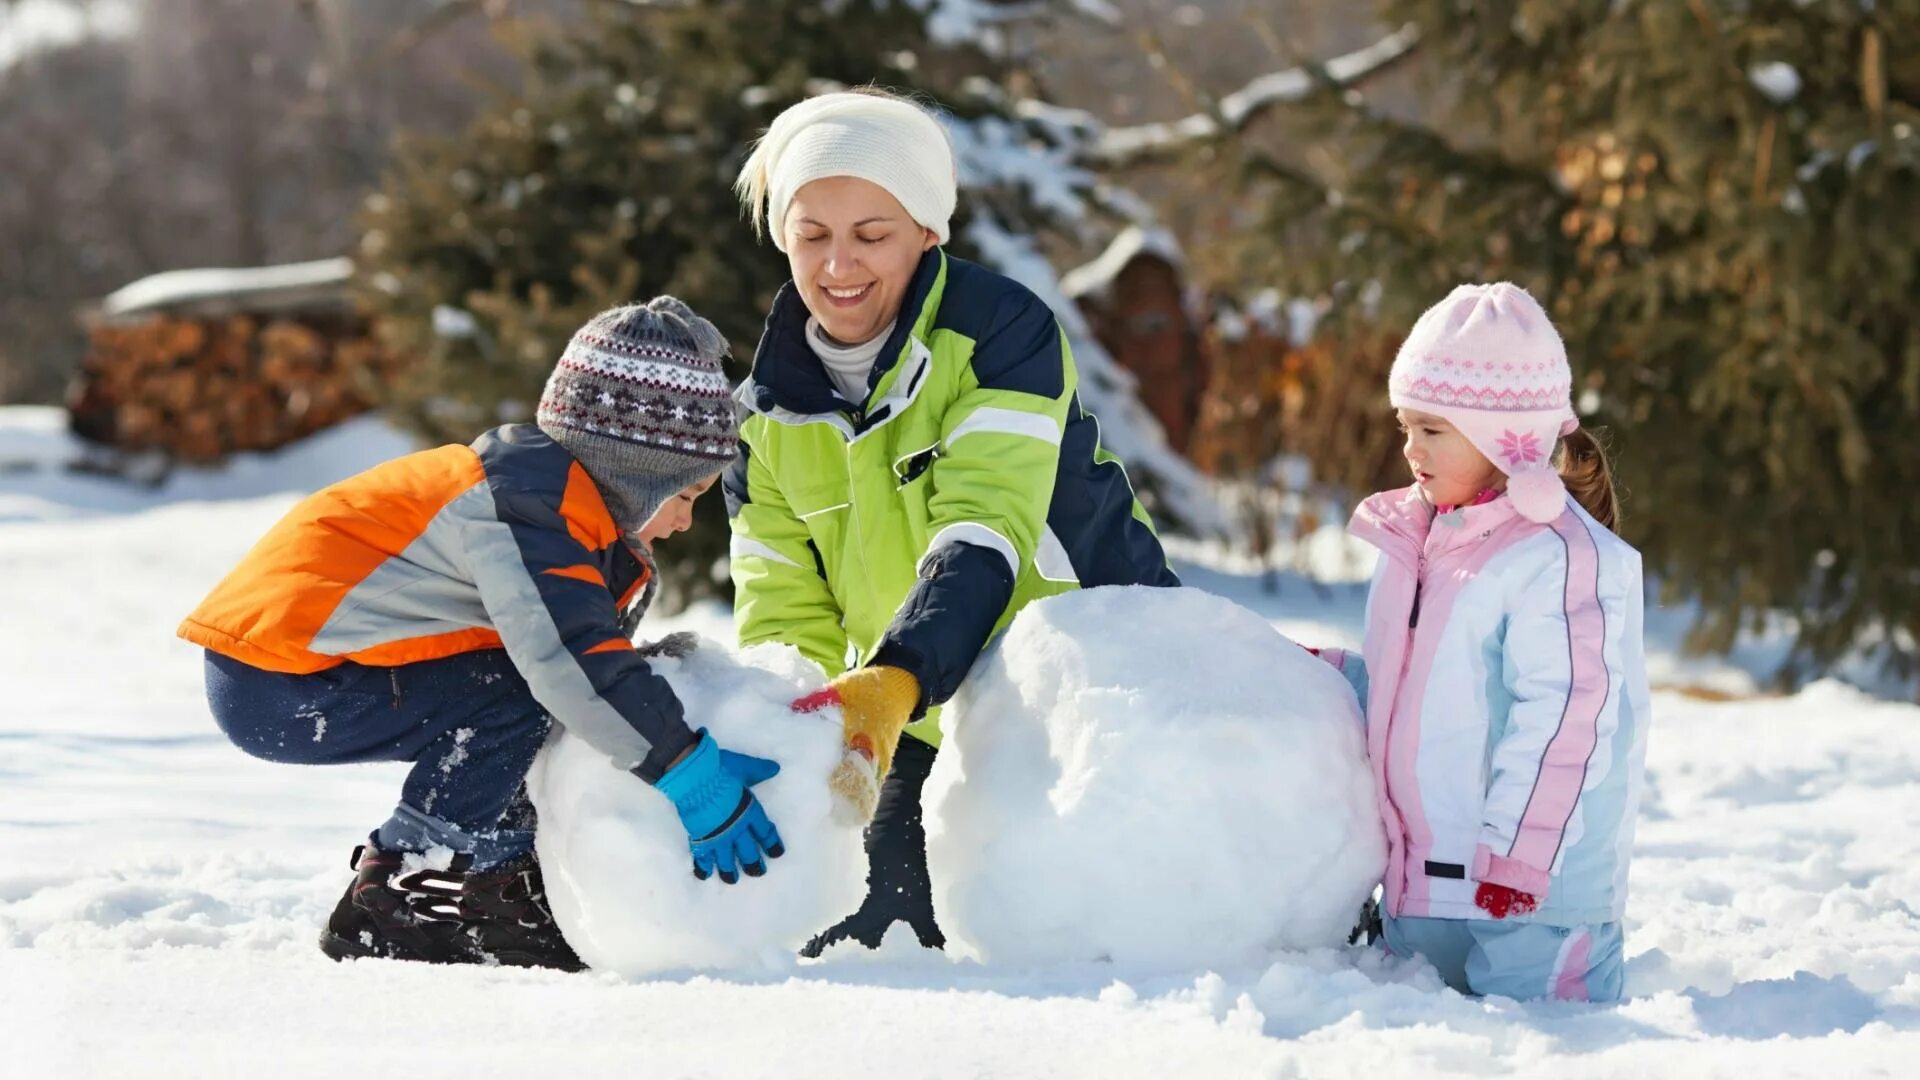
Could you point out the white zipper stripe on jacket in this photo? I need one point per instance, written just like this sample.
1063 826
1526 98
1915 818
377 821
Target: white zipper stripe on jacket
740 547
988 419
781 415
972 532
1051 560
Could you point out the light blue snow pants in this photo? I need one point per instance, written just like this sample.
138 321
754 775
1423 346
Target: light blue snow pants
1520 960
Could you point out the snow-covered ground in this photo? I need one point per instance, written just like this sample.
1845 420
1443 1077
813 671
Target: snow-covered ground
160 891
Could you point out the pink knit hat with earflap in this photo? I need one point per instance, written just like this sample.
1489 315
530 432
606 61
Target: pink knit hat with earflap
1488 360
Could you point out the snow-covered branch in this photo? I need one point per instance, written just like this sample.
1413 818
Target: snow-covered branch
1117 146
218 292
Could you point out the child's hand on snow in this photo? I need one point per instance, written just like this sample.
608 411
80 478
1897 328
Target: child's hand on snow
727 829
1500 901
1334 658
677 645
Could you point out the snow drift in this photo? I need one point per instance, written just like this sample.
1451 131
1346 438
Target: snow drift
1151 776
615 856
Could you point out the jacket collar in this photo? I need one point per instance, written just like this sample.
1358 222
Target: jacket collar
787 375
1405 526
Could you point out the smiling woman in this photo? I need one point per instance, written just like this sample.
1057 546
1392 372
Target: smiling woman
851 264
915 466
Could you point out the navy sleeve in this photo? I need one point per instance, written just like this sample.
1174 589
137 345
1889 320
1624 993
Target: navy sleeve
947 618
560 624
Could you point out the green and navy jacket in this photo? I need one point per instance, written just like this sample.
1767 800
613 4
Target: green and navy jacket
908 528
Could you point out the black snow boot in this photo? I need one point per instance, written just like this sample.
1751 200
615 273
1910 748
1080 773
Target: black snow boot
395 913
898 886
509 920
1368 929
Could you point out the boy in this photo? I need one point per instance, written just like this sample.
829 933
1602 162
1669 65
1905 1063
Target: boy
447 607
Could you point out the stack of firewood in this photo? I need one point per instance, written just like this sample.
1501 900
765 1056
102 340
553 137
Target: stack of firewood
198 389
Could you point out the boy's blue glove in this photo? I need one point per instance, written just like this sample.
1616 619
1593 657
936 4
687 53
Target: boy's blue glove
727 830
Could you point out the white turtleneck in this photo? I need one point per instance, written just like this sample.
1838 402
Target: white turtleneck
847 365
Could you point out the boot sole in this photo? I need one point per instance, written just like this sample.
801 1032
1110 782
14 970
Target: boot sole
534 960
340 948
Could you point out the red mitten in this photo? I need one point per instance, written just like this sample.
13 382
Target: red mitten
1334 658
1500 901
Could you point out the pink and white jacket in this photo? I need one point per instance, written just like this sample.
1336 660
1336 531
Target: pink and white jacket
1505 689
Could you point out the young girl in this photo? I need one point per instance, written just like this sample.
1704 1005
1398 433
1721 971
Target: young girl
1503 675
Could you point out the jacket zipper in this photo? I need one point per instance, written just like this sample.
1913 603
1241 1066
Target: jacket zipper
859 536
1419 585
1406 665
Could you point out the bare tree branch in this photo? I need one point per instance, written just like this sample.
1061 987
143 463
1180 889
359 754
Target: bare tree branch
412 36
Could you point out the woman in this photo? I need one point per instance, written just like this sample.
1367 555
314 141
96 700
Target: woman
914 465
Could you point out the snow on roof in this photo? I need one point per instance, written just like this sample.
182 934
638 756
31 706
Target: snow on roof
223 291
1096 277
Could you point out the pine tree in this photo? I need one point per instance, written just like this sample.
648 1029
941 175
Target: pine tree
607 179
1716 203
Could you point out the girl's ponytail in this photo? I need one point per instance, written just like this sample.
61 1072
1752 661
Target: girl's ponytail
1589 476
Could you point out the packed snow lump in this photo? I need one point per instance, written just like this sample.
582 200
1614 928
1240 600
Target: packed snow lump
615 856
1154 777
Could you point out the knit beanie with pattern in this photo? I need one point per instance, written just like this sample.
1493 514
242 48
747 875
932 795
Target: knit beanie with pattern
884 140
641 401
1488 360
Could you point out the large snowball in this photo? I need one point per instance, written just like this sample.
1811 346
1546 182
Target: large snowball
615 856
1151 776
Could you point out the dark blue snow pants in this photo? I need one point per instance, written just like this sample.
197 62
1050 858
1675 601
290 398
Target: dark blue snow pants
468 723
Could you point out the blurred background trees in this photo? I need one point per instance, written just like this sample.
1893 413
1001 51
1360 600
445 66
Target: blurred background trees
1715 200
148 136
1705 196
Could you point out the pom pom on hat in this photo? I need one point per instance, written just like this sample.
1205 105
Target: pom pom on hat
1538 493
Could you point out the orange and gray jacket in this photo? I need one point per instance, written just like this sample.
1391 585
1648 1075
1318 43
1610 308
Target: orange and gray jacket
502 544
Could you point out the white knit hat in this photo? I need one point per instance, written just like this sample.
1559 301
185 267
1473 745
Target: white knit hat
885 140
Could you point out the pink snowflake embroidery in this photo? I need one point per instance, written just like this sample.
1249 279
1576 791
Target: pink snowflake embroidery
1520 448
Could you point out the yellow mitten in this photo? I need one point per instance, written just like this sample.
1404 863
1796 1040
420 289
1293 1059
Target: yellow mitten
875 704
